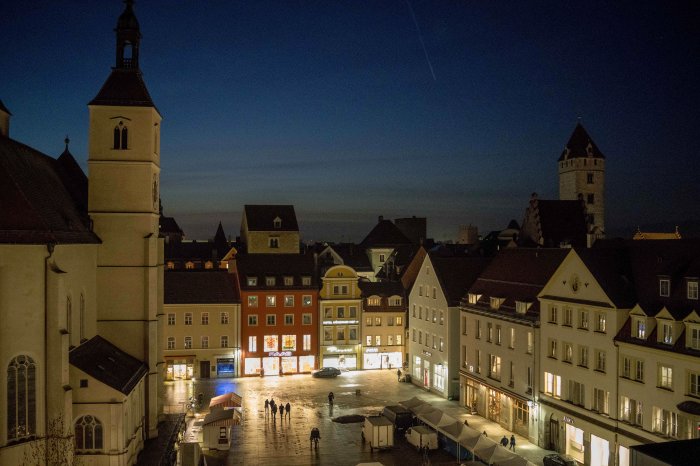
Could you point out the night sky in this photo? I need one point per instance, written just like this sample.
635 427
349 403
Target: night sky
451 110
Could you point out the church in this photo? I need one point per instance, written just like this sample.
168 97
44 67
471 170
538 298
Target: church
81 281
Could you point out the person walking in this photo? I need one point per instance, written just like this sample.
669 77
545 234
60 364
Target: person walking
281 411
398 374
274 412
267 407
504 441
289 410
512 442
331 397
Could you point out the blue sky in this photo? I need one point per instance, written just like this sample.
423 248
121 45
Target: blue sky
338 107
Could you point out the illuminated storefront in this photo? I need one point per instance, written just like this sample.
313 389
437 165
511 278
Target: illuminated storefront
279 362
225 367
179 368
511 411
381 358
344 357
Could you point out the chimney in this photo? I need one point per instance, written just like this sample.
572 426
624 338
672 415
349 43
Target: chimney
381 218
4 120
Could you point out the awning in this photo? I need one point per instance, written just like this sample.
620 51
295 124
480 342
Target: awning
412 403
222 417
227 400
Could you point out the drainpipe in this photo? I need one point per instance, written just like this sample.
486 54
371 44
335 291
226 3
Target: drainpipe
50 248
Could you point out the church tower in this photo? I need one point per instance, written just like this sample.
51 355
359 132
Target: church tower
582 176
123 203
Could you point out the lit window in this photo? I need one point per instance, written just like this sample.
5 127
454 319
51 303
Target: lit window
288 300
600 322
665 377
398 339
288 281
306 281
667 333
583 320
378 340
664 287
252 344
252 281
377 321
271 301
188 342
399 320
307 343
494 367
252 301
289 342
306 300
640 329
693 290
270 281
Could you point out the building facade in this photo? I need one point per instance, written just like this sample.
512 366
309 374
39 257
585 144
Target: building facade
340 309
270 229
201 335
383 325
279 313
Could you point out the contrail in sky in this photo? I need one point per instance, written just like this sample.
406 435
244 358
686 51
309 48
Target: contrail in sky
420 37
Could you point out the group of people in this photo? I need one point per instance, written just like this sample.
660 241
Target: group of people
504 442
270 405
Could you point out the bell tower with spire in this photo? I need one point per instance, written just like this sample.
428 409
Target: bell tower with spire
582 176
123 204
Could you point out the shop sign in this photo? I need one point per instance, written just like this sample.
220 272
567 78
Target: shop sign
371 350
427 353
567 419
276 354
225 360
335 349
340 322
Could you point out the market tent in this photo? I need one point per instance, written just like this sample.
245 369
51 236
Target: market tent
453 430
469 437
514 460
501 454
412 403
436 418
423 409
227 400
484 448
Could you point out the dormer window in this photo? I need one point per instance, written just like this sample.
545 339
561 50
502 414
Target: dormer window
640 329
473 298
277 223
121 136
666 333
270 281
306 280
495 302
374 301
693 289
664 287
521 307
288 281
395 301
252 281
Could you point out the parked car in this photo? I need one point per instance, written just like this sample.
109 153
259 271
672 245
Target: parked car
326 372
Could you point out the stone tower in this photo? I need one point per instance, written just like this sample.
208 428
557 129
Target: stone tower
123 201
582 176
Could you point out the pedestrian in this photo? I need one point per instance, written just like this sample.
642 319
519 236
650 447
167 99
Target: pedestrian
485 434
281 411
504 441
267 406
289 410
398 374
274 412
512 442
466 423
331 396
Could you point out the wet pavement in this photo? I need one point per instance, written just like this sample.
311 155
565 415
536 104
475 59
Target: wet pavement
264 440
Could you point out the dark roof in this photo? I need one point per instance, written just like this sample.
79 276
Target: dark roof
675 453
37 205
261 217
124 87
200 287
220 240
579 144
382 289
168 225
74 178
559 222
3 108
105 362
612 270
457 274
195 251
384 234
278 266
352 255
517 274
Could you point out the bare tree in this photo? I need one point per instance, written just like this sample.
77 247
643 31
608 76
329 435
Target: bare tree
56 448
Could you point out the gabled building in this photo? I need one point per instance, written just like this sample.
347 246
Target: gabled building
201 332
197 254
500 318
554 224
279 313
340 308
379 243
270 229
434 319
383 324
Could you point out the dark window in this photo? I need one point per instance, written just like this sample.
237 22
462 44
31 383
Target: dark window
590 199
88 433
125 135
21 398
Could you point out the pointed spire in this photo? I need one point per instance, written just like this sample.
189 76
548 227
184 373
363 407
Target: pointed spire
128 37
580 145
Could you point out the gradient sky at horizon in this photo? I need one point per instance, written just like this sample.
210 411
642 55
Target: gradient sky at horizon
339 108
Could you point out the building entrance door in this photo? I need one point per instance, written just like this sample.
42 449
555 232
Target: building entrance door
553 434
204 369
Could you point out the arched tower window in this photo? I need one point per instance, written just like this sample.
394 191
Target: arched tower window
121 136
21 398
88 433
82 317
69 319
